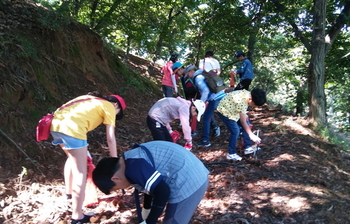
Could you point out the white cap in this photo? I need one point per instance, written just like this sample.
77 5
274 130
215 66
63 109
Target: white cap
200 105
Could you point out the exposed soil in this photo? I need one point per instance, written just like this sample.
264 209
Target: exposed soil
297 178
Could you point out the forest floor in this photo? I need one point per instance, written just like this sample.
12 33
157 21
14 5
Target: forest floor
297 178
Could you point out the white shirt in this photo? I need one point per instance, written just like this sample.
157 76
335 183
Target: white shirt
208 64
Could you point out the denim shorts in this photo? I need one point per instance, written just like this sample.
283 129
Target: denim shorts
68 141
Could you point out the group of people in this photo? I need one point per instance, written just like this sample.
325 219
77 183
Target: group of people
230 104
168 174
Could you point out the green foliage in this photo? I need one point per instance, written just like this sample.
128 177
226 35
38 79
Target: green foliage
335 137
280 58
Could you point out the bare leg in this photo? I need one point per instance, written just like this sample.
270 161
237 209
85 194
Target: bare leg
68 178
76 169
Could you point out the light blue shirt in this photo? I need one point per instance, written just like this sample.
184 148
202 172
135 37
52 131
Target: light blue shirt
179 168
206 95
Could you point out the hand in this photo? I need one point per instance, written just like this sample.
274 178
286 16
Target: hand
188 145
145 212
144 222
255 138
175 135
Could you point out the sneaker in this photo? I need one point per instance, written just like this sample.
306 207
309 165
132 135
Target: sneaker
203 143
234 157
85 219
249 150
69 196
188 146
194 134
216 132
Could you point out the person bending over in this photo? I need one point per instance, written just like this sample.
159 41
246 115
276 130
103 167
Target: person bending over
232 111
165 172
169 109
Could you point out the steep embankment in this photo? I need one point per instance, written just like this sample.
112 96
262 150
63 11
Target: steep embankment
45 60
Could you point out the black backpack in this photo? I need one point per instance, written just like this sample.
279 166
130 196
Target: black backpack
214 81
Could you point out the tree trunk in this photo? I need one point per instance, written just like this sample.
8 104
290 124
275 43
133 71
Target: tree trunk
316 70
127 53
300 100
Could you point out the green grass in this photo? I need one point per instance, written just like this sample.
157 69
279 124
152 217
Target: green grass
335 137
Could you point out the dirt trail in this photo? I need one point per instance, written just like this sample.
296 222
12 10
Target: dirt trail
297 178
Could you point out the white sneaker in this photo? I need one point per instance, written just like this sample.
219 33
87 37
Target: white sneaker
234 157
249 150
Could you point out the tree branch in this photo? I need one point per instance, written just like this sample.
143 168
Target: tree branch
338 24
281 8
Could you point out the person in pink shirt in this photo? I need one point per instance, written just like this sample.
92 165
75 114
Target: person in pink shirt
169 109
169 80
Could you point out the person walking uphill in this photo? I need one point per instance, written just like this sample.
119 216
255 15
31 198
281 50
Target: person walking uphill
167 110
165 172
232 111
212 100
245 73
209 63
169 79
69 130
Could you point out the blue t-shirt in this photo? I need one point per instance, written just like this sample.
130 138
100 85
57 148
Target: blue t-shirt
179 168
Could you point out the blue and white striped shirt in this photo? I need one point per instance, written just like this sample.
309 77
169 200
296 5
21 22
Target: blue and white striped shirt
178 167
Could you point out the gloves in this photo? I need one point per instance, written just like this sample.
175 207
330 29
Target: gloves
145 212
144 222
255 138
188 145
175 135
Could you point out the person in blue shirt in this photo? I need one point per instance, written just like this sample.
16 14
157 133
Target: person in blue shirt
167 174
245 73
212 100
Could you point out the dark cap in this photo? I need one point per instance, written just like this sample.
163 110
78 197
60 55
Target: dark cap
239 53
209 53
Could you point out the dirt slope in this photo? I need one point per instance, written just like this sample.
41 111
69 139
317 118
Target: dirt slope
44 61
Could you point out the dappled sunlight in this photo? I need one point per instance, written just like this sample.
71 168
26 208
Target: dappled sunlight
280 197
284 156
297 127
212 155
276 161
290 204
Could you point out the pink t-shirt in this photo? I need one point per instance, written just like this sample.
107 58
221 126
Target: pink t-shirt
167 72
169 109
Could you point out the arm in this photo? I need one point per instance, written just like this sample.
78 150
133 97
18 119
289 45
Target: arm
161 195
111 141
173 79
147 201
167 125
243 68
202 87
201 66
243 117
252 136
184 115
